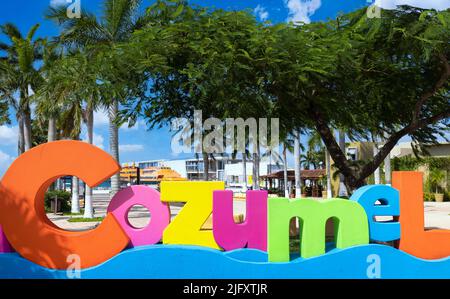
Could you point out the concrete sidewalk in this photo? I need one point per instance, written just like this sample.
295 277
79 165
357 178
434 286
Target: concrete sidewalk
436 215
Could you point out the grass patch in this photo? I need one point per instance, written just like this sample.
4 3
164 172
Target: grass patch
74 214
79 219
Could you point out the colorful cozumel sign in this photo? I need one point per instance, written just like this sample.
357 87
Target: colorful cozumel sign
32 246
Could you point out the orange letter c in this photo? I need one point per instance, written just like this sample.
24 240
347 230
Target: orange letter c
22 213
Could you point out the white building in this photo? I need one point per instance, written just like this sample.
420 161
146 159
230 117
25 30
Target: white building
221 168
434 150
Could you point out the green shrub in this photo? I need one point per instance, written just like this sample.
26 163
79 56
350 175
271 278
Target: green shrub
79 219
427 196
64 198
273 191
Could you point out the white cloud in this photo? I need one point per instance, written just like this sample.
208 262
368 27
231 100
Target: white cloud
5 162
57 3
101 118
137 126
301 10
130 148
8 135
434 4
261 12
98 140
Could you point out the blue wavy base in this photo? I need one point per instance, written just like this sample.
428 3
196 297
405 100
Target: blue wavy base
190 262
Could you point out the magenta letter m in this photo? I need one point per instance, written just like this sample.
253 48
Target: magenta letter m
252 232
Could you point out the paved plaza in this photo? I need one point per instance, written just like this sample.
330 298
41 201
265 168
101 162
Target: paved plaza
436 215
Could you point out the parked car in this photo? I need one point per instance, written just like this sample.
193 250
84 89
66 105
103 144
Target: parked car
236 188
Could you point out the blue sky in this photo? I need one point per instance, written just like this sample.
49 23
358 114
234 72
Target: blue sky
138 143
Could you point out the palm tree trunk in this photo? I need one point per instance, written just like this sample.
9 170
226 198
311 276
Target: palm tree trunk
254 171
328 172
342 189
293 225
387 170
298 181
387 165
205 166
27 129
376 174
255 179
51 136
198 166
88 209
21 139
244 169
114 144
285 172
258 166
75 196
75 202
26 119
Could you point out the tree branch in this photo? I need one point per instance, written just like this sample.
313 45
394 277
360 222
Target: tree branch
333 147
370 167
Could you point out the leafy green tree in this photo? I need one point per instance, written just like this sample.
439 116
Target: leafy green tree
203 69
386 76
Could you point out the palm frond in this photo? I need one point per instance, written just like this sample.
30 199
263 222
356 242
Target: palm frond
82 31
11 30
119 17
32 32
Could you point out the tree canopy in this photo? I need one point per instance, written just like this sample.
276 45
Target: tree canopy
381 78
376 79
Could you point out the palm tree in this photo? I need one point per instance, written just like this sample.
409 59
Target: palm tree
89 119
287 146
319 154
376 174
72 83
328 173
115 26
4 115
69 124
285 171
47 106
187 133
7 99
436 177
205 156
18 72
245 154
244 170
342 188
72 119
297 169
387 166
255 172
